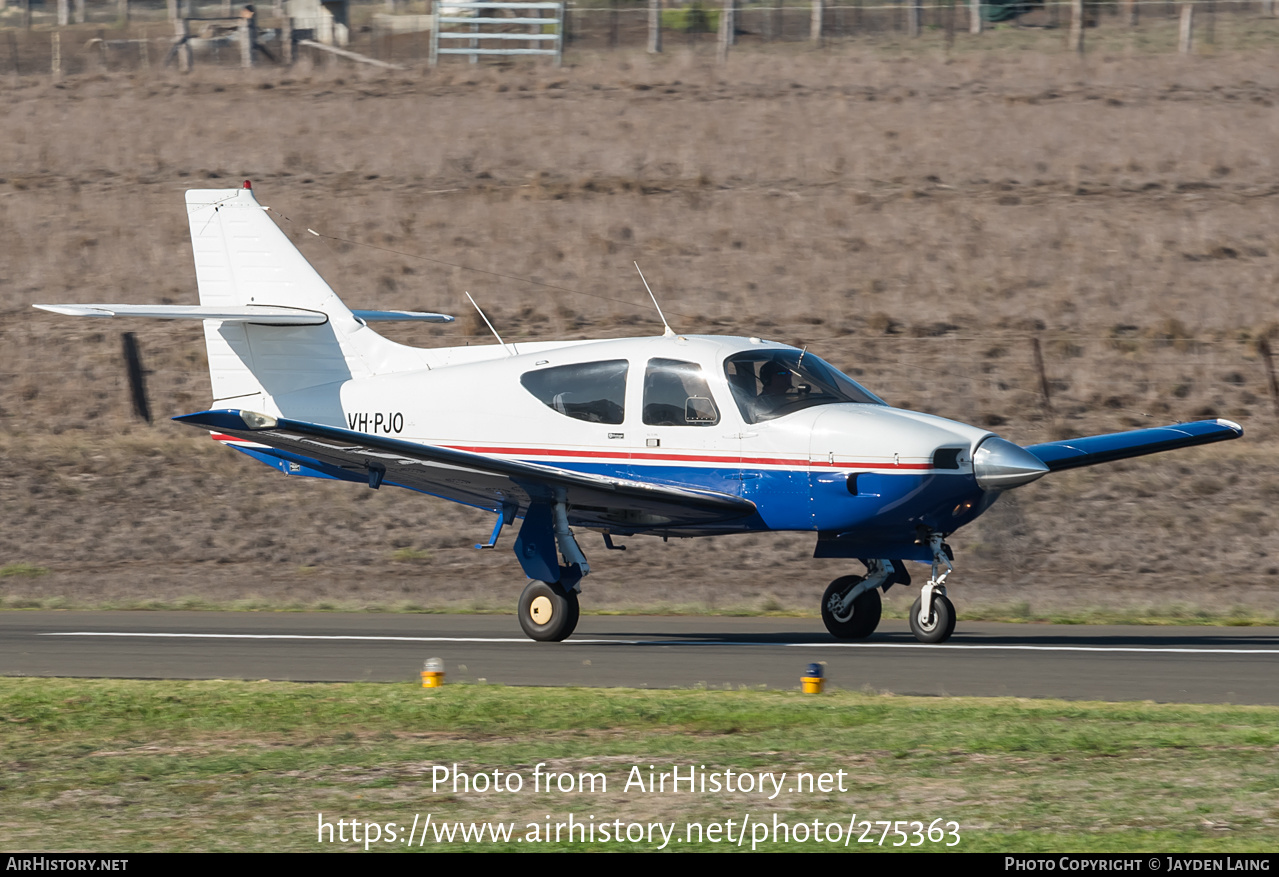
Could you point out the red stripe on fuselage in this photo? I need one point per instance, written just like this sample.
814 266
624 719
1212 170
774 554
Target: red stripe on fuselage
688 458
633 457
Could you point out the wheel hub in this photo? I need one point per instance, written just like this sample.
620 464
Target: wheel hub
541 609
838 608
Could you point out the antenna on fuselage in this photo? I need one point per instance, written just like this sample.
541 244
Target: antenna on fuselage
490 325
668 332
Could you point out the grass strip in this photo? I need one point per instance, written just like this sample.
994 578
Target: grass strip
137 766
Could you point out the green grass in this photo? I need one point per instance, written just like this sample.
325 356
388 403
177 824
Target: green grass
136 766
23 570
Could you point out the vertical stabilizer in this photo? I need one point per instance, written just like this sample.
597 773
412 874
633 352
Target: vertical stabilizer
242 258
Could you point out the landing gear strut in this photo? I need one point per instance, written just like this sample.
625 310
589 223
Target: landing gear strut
548 607
932 618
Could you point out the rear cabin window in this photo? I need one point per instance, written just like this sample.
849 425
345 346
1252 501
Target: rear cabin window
590 391
676 394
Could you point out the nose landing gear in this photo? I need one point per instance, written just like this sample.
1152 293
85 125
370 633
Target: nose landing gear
851 606
932 618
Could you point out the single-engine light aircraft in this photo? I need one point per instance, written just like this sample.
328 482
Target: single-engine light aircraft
674 435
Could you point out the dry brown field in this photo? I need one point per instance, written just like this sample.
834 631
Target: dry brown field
918 218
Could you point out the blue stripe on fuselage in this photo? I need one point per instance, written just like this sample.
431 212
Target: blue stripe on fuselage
787 499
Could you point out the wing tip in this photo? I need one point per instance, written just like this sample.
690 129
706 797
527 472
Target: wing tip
1232 426
76 310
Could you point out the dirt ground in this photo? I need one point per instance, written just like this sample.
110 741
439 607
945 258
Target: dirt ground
920 221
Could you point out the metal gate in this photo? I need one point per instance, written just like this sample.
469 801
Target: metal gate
476 29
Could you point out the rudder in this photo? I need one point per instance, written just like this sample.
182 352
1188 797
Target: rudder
243 258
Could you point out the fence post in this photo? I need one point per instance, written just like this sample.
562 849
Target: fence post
1186 34
57 54
286 41
1263 347
815 26
1268 8
1043 376
182 33
1076 37
64 13
1129 13
727 29
914 12
79 12
974 16
123 11
654 26
246 40
137 377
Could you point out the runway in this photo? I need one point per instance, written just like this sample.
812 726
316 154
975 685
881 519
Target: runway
1164 664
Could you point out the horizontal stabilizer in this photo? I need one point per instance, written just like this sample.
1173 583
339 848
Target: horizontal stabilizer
265 315
1073 453
401 316
494 483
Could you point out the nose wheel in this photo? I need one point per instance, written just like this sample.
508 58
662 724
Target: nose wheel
548 612
935 626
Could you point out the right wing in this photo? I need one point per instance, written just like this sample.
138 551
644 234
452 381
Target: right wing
1073 453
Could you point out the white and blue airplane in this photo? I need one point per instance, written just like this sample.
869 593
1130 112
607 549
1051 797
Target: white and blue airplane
674 435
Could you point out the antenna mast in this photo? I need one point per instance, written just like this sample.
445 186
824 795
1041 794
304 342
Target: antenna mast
668 332
490 325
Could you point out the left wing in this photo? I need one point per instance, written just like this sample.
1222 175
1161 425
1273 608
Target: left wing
1073 453
477 479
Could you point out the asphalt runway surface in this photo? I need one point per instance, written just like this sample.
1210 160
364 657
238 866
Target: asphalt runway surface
1163 664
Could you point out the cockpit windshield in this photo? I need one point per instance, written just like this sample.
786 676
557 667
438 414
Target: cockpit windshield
773 383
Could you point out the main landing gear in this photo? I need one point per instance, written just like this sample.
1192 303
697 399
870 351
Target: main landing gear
851 606
548 611
548 607
851 617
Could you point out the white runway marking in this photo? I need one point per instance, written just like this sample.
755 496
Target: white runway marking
636 642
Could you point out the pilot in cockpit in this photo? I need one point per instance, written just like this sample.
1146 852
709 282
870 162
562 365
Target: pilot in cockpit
776 380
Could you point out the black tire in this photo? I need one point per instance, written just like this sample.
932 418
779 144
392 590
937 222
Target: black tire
940 626
866 610
548 612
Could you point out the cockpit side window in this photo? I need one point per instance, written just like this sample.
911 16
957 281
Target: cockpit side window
772 383
676 394
590 391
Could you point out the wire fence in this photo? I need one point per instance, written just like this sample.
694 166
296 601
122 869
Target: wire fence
105 35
